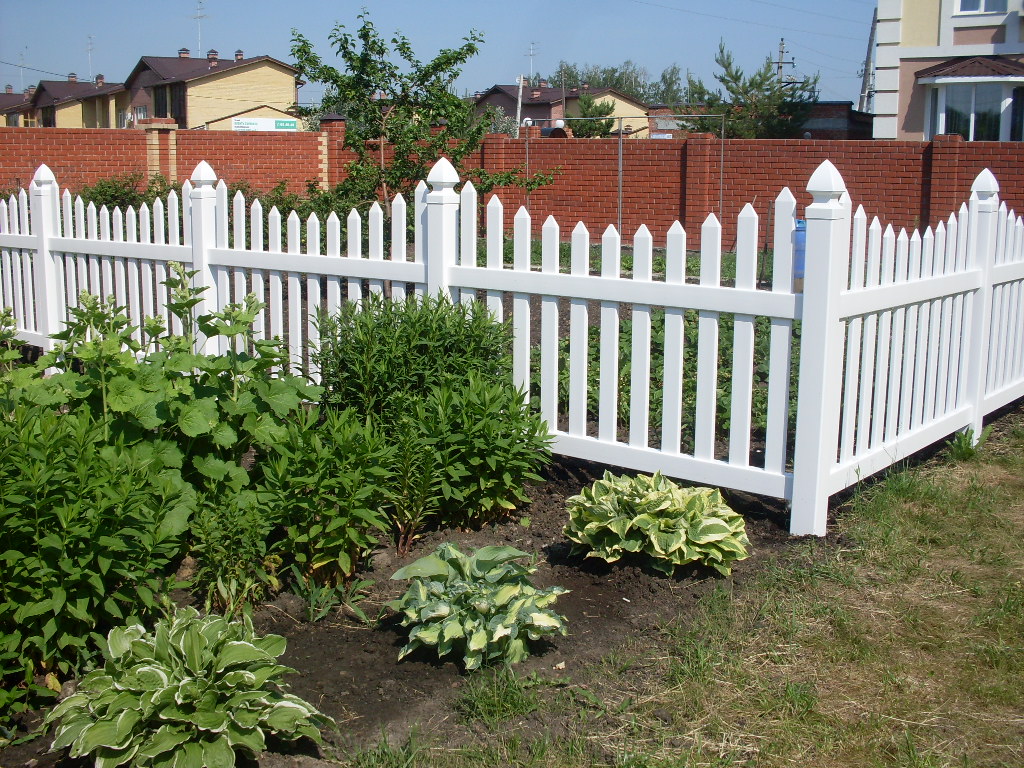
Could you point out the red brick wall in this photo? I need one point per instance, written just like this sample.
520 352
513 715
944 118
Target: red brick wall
262 158
76 156
904 183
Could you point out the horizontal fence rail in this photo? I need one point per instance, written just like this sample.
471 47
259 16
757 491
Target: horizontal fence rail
639 351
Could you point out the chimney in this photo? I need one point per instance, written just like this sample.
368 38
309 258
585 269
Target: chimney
72 77
30 91
211 57
535 93
239 55
100 80
574 90
543 83
8 88
183 53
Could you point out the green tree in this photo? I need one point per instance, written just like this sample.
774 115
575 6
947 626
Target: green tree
401 113
628 77
758 106
592 128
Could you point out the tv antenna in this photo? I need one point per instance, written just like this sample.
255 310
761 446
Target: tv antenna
88 49
531 54
199 23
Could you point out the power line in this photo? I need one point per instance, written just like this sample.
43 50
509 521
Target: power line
33 69
805 11
816 32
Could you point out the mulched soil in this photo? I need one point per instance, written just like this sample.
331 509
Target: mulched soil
351 673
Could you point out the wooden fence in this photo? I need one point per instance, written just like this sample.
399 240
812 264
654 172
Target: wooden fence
903 339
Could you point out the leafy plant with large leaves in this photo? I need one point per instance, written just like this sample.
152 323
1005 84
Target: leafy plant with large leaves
91 531
653 517
195 691
480 605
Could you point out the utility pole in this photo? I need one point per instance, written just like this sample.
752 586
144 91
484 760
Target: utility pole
199 23
782 59
867 83
531 54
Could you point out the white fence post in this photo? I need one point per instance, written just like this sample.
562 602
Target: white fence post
49 296
204 237
981 245
442 227
821 351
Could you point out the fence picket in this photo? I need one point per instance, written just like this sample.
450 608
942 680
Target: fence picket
354 231
276 287
854 335
640 357
743 341
313 297
295 319
608 387
468 235
672 397
521 302
399 243
781 339
707 343
376 233
549 328
578 334
495 250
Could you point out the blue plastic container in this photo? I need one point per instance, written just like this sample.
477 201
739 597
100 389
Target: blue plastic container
799 249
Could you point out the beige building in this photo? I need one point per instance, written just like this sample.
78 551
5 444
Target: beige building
204 93
949 66
66 104
544 105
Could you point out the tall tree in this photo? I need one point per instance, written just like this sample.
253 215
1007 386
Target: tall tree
758 106
629 78
593 109
401 113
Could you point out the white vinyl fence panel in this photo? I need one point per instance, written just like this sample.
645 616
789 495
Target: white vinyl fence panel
904 338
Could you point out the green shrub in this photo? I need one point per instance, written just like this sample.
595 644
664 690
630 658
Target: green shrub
127 190
325 486
193 692
91 531
652 516
481 605
377 355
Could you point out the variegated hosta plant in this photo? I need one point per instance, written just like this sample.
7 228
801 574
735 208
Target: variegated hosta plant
653 516
481 605
187 695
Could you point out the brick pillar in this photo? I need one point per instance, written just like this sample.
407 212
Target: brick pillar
332 144
945 195
700 190
161 147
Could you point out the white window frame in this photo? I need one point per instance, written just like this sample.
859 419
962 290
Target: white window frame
981 9
938 116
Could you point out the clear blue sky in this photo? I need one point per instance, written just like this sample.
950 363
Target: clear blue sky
830 38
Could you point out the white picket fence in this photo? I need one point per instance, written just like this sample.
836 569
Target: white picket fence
904 339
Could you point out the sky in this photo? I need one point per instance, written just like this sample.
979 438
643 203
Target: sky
47 39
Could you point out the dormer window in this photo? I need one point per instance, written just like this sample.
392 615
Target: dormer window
982 6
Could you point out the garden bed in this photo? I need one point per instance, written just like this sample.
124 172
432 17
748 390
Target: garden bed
350 671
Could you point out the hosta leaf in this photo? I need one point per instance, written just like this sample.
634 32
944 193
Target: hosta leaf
248 739
211 721
425 567
239 652
101 733
285 717
217 753
709 530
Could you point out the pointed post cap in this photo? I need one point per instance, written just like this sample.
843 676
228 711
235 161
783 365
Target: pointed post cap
826 183
203 175
43 175
985 186
443 175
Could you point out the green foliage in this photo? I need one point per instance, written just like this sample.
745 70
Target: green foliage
196 691
433 380
324 485
482 606
628 77
653 516
229 540
127 190
497 696
90 533
758 106
593 109
963 447
376 356
401 113
10 347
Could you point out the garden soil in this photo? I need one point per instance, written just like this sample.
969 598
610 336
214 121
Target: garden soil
350 670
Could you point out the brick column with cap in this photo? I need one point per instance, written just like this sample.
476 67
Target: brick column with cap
161 147
332 145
